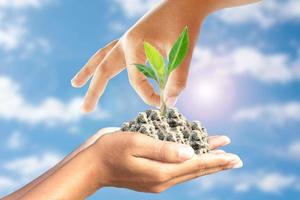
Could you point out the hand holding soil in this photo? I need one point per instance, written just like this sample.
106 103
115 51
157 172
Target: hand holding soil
127 160
145 164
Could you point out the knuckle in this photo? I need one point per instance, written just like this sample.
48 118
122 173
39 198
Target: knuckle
135 81
148 98
163 151
132 36
93 93
132 140
105 72
86 71
179 85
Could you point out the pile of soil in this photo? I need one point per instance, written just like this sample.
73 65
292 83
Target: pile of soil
174 127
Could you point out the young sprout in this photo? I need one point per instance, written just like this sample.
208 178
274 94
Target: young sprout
158 70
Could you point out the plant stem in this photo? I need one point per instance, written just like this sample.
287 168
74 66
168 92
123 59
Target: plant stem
163 106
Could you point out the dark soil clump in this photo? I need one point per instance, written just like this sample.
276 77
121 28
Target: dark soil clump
174 127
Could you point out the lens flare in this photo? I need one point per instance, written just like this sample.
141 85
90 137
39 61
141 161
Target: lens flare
211 97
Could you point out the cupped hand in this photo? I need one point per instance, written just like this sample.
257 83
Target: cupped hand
141 163
127 160
160 27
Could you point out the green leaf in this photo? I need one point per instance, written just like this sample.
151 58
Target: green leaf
156 60
147 71
178 51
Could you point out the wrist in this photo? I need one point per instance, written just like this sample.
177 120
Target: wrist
94 171
98 172
79 172
194 9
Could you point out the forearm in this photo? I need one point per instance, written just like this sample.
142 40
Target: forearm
189 10
19 193
196 8
75 179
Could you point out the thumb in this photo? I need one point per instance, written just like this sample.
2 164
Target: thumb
163 151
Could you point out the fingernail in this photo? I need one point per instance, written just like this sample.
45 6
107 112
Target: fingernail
185 153
73 82
171 101
226 140
83 109
238 165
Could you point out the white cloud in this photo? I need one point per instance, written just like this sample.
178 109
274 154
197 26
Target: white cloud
51 111
289 152
267 182
249 61
274 182
14 32
11 36
294 149
221 65
24 169
15 141
41 45
133 8
21 4
272 113
32 165
213 80
265 13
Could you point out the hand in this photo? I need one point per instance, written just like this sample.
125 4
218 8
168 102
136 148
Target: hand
141 163
128 160
160 27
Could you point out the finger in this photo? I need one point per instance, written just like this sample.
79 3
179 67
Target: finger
112 64
231 165
89 68
168 152
162 172
177 82
203 162
194 175
218 141
197 174
139 82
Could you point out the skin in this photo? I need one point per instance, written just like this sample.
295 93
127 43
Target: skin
119 54
133 161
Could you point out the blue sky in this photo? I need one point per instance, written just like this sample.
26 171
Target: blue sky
244 82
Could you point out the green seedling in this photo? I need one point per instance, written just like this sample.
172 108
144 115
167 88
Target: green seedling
158 69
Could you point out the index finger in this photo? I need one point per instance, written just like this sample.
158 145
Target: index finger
143 88
112 64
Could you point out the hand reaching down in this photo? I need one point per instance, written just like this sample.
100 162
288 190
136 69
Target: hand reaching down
160 27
